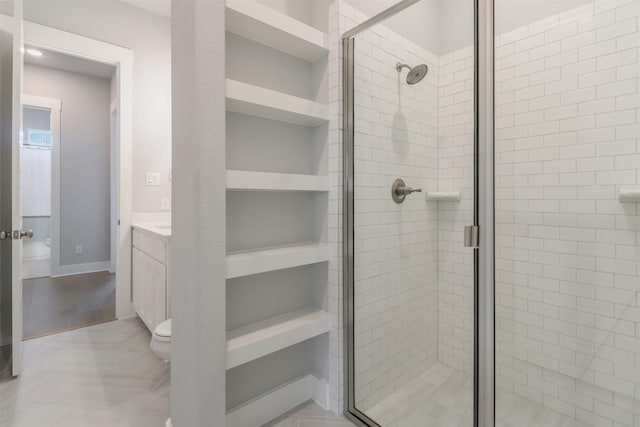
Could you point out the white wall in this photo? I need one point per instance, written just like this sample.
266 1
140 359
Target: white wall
198 253
148 36
439 26
567 272
512 14
84 159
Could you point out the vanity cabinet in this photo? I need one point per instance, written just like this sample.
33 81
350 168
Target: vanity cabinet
149 278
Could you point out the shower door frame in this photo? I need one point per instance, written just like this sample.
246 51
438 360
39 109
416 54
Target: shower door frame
484 379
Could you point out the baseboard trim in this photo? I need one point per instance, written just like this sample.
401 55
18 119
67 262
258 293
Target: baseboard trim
89 267
271 405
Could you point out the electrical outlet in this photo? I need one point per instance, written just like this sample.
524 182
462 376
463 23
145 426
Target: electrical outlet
165 203
152 179
79 249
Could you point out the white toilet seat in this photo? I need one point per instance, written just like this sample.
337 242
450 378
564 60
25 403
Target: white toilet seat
161 340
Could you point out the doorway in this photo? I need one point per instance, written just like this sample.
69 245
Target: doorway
67 192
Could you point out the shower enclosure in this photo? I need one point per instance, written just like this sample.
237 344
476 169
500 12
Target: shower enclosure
491 222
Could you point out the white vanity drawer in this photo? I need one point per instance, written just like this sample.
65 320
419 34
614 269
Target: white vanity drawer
152 246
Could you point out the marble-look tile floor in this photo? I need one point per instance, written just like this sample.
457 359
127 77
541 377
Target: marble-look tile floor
99 376
309 415
443 397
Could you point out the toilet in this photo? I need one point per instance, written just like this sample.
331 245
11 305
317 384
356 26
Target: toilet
161 340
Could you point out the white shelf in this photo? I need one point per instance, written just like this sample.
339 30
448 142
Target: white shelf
248 99
269 27
443 196
259 339
264 181
629 195
279 401
270 259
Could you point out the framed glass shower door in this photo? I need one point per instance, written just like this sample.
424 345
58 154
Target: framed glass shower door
410 163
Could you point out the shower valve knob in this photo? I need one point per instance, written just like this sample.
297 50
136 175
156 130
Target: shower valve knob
399 191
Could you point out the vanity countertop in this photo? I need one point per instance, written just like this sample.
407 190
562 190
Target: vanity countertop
155 229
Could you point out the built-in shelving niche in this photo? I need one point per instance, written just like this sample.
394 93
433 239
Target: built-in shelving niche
277 208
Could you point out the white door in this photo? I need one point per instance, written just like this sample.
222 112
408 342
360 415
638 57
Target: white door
10 215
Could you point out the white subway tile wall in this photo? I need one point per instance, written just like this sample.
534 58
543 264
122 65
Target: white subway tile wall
414 279
456 173
396 245
567 256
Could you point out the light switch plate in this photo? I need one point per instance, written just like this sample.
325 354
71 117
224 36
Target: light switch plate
165 203
152 179
79 249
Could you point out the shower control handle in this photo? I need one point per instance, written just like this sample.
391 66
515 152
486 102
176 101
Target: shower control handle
407 190
399 190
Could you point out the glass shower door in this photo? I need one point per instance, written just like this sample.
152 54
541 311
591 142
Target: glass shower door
410 179
567 323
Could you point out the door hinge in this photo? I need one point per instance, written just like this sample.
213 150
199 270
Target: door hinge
471 236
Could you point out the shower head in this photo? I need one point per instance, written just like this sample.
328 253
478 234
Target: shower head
415 74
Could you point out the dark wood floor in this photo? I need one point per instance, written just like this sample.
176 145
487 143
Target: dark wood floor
56 304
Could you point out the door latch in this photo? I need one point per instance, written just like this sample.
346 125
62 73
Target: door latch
15 234
471 236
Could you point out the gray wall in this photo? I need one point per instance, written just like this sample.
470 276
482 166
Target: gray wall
84 177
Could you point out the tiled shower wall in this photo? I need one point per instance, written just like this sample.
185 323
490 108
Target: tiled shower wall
455 173
396 246
567 257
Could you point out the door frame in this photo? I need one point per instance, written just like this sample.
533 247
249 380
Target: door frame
54 106
485 178
41 36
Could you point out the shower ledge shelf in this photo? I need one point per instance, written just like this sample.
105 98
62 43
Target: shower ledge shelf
256 101
262 338
629 194
265 181
269 27
246 263
443 196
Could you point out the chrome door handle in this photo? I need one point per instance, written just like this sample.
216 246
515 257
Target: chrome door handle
399 190
8 235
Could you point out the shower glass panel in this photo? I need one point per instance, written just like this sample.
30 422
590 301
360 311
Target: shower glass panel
409 141
567 176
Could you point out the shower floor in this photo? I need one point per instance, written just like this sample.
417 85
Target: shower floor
443 397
